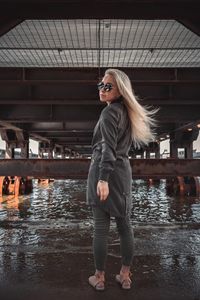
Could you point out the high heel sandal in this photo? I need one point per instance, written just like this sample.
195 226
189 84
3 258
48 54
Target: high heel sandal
97 281
124 279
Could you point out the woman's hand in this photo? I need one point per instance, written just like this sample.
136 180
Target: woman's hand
102 190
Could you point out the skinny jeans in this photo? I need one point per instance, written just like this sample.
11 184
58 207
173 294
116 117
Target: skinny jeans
100 238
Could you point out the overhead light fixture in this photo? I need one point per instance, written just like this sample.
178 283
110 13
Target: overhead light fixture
198 125
189 129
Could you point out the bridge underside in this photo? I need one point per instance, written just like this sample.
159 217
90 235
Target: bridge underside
53 53
61 106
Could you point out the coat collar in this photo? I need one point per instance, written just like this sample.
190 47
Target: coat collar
118 100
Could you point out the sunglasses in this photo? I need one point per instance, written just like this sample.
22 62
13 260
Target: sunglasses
106 87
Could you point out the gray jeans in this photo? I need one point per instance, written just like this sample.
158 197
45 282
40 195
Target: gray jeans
100 239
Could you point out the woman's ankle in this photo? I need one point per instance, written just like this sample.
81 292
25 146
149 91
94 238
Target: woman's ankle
125 269
99 273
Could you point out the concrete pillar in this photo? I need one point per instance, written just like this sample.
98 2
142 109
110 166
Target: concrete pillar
138 152
133 154
153 147
25 150
189 150
18 139
142 153
45 147
183 139
147 153
10 151
50 153
173 149
157 153
23 143
62 153
9 137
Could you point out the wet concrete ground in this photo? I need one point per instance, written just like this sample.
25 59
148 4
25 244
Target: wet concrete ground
47 257
166 263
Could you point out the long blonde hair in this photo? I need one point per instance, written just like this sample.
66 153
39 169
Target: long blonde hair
142 120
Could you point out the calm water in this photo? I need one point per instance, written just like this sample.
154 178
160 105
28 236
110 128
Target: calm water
63 200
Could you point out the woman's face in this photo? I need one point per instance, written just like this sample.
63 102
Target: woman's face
108 94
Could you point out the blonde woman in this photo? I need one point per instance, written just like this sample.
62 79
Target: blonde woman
122 122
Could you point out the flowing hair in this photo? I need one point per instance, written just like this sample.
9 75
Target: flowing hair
142 120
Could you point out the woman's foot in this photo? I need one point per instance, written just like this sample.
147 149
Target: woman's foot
97 281
124 279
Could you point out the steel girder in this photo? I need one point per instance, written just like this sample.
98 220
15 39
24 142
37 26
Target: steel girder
78 168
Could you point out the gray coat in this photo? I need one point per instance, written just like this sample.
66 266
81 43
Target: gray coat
110 144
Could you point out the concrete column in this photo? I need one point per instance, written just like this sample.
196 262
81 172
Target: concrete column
189 150
133 154
157 151
10 151
50 150
147 153
45 147
173 149
50 153
40 153
142 154
62 153
183 139
25 150
137 152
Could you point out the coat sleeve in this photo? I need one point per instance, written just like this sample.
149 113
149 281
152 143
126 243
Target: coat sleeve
109 132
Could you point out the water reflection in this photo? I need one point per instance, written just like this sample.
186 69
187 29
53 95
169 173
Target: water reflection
65 200
151 204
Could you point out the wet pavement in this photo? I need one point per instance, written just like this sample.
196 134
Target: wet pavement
45 245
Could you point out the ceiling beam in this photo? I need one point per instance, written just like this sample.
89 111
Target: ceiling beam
91 75
78 87
59 113
52 9
56 102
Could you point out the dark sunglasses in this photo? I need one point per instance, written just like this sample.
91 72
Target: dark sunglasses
106 87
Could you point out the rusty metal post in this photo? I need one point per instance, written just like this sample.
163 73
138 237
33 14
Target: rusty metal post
17 186
1 185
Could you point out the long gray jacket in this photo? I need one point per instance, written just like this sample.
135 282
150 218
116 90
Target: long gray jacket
111 143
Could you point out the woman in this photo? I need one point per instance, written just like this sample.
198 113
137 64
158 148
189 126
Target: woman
121 122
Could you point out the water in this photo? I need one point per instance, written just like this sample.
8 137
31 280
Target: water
64 200
151 204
